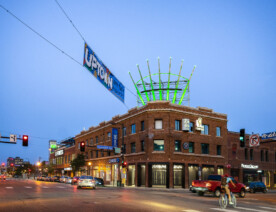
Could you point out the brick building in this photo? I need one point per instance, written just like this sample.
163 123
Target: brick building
165 145
252 163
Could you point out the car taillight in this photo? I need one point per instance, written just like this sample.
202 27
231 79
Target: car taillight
92 181
208 184
193 183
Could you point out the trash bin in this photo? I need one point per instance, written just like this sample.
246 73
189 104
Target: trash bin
118 183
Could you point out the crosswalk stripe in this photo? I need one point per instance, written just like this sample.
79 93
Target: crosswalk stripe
250 209
268 208
9 187
221 209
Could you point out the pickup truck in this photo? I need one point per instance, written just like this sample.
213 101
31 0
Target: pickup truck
213 185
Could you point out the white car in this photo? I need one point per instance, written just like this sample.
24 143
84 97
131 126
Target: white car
86 181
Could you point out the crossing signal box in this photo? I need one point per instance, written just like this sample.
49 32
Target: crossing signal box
82 146
242 137
25 140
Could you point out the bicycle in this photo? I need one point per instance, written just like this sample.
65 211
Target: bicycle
223 200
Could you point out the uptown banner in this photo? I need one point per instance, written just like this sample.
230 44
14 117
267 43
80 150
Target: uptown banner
114 137
93 63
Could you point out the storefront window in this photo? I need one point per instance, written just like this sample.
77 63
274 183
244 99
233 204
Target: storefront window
177 146
159 175
220 170
131 175
193 173
108 173
177 125
177 175
158 145
206 171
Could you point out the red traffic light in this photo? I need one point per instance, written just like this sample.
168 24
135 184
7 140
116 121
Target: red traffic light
82 143
3 164
125 163
82 146
25 140
11 164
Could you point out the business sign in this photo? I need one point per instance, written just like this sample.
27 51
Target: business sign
186 124
269 135
254 140
114 160
104 147
114 137
93 63
199 125
249 166
186 145
59 152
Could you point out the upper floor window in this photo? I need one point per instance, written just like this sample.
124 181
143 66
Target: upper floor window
142 125
245 154
266 156
262 155
177 124
205 130
124 131
133 128
158 145
108 135
204 148
133 147
218 149
158 124
91 154
191 127
142 146
218 131
91 142
177 146
102 153
191 147
251 154
124 148
97 139
97 153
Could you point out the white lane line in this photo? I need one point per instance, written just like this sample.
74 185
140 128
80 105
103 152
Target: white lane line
27 187
45 187
268 208
9 187
60 187
250 209
221 209
189 210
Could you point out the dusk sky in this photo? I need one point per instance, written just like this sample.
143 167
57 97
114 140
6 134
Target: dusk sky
46 95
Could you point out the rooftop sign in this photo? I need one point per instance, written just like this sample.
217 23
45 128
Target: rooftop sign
269 135
93 63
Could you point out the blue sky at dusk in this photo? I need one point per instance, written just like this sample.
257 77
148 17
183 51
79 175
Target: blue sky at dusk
46 95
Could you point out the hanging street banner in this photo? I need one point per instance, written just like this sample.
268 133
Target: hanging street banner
114 137
269 135
93 63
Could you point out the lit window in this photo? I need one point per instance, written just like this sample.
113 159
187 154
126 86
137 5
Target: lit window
158 124
158 145
177 146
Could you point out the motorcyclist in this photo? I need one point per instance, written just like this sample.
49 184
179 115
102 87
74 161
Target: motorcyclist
225 180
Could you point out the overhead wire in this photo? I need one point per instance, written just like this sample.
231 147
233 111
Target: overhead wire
52 44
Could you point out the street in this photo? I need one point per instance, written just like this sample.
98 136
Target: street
29 195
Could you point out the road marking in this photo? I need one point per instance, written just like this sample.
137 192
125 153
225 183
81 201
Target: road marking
250 209
28 187
267 208
45 187
189 210
9 187
60 187
220 209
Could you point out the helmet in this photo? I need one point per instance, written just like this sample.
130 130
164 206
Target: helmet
226 175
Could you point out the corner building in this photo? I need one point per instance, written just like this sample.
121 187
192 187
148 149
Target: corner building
158 152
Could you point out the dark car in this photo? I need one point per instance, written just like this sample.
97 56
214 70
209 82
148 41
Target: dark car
257 186
75 180
99 181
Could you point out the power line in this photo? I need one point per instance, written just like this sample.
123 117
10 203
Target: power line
52 44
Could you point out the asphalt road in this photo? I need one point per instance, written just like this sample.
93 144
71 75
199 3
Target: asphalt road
29 195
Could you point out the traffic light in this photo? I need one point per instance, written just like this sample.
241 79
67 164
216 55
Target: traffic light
242 137
3 164
25 140
82 146
12 164
124 164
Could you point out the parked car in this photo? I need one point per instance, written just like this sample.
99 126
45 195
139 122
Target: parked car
256 186
2 177
68 180
86 181
99 181
55 178
63 179
48 179
213 185
75 180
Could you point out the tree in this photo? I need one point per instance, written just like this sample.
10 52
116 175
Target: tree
77 163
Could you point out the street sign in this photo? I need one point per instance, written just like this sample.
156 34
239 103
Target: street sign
254 140
13 138
117 150
114 160
104 147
